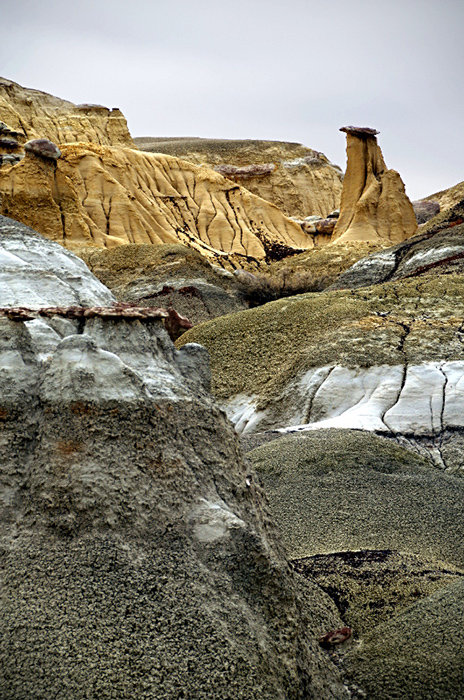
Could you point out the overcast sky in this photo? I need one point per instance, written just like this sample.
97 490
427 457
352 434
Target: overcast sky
288 70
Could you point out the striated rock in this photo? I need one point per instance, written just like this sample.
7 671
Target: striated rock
106 197
371 586
135 558
374 206
43 148
295 178
425 209
32 114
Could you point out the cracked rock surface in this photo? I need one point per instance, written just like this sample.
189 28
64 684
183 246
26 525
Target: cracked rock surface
385 358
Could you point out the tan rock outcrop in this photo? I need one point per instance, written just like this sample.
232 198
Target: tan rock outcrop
104 197
34 114
448 198
374 206
297 179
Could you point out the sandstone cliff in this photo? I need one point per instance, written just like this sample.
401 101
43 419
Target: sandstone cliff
104 197
374 206
34 114
297 179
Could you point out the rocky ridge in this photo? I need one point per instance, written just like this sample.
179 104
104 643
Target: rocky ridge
104 197
32 114
300 181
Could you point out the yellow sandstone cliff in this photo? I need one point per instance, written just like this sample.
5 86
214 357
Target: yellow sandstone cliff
103 196
300 181
35 114
374 206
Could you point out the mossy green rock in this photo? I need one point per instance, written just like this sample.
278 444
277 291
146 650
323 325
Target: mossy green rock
417 654
340 490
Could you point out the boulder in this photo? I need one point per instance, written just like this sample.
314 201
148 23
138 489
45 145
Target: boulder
43 148
104 197
298 180
138 558
374 205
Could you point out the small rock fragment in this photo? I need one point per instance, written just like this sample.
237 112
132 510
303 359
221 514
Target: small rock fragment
335 637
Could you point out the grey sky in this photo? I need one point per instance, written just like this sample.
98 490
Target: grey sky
293 70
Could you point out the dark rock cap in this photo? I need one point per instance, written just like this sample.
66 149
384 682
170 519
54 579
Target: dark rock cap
8 143
89 106
359 130
43 148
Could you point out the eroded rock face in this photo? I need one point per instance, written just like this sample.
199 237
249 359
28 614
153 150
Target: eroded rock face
374 205
105 197
298 180
386 358
32 114
36 272
167 275
136 557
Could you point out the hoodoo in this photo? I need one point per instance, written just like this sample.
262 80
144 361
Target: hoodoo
374 205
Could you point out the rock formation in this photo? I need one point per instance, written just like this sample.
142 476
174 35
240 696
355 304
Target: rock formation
448 198
32 114
374 205
298 180
437 250
375 359
167 275
104 197
136 559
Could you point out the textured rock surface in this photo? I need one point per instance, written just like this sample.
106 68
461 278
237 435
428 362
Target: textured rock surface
34 114
106 197
167 275
301 182
449 197
340 490
135 558
417 654
438 249
385 358
374 205
36 272
375 526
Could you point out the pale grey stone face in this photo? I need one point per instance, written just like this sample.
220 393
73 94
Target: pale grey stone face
36 272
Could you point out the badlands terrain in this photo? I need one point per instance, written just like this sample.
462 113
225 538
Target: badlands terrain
231 417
